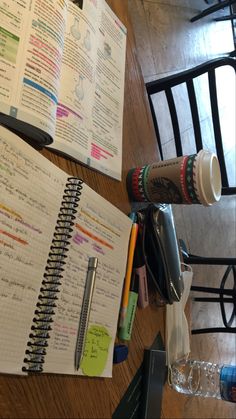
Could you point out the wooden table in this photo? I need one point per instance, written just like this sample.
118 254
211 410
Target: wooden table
58 396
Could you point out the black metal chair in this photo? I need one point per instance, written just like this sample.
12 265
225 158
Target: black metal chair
166 84
224 295
212 9
230 6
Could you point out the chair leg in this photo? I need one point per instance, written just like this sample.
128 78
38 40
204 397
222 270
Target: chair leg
212 9
199 260
230 190
221 292
213 300
222 18
229 322
211 290
214 330
189 258
222 300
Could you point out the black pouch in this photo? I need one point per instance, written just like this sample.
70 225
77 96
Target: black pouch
161 252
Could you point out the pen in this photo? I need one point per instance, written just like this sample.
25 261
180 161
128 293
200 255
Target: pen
85 310
132 244
126 330
140 270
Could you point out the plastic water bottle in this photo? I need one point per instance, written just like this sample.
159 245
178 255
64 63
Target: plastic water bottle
199 378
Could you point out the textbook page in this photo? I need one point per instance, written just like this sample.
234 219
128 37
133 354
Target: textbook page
31 36
90 109
31 191
77 89
101 231
106 147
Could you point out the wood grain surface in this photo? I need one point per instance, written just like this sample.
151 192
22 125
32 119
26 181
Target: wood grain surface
58 396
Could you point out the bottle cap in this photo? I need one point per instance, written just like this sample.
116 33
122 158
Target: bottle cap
120 353
228 383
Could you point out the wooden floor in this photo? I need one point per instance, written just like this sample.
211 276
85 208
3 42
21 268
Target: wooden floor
166 43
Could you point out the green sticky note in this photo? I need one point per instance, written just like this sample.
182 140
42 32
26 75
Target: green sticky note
96 350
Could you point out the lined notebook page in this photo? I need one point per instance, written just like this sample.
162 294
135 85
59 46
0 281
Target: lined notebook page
31 190
100 230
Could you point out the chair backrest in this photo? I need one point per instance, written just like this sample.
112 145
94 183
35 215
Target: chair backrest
187 77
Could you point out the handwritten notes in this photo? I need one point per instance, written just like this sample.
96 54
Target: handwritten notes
103 231
96 350
30 197
31 192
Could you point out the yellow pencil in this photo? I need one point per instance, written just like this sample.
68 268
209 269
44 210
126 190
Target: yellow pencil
125 297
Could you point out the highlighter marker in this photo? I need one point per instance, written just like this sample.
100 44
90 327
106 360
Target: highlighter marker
140 270
128 275
126 330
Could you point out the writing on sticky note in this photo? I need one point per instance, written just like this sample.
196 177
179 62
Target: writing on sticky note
96 350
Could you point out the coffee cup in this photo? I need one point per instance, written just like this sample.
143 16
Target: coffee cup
193 179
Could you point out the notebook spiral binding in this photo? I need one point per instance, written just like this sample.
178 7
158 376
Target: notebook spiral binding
37 344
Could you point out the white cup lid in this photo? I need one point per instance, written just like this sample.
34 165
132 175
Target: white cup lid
208 178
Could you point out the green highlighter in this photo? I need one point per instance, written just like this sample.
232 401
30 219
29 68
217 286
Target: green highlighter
126 331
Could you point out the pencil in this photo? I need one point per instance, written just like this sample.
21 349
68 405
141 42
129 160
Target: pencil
125 297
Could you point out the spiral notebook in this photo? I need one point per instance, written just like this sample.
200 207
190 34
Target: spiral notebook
50 225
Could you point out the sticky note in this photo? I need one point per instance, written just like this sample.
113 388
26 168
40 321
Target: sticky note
96 350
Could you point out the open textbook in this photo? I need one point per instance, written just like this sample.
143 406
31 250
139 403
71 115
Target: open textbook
62 67
50 225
